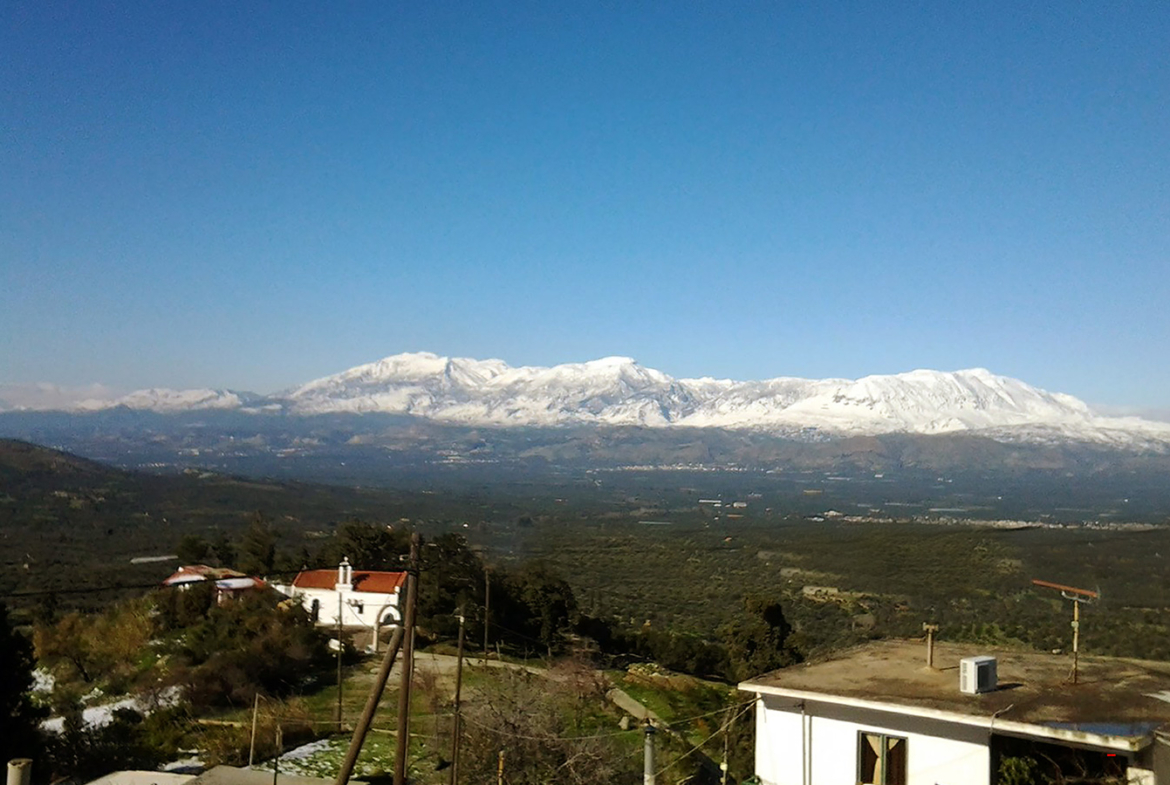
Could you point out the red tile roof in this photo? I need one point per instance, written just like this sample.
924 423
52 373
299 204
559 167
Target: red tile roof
363 580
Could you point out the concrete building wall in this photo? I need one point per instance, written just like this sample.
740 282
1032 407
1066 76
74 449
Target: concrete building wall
358 609
821 746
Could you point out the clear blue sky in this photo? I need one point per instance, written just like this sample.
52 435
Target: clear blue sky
253 195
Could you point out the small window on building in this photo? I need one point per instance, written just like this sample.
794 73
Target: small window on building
881 759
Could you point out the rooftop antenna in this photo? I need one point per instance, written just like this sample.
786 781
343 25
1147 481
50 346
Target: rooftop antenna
1077 596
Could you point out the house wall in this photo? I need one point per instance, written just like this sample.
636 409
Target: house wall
1151 765
358 609
819 745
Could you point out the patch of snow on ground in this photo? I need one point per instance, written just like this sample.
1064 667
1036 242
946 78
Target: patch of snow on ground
190 765
323 758
306 750
43 681
99 716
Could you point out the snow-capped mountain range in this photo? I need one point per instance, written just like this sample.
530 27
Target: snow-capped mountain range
617 391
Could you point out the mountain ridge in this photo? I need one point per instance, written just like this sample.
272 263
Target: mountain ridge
619 391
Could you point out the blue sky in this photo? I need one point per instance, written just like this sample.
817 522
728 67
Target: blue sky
253 195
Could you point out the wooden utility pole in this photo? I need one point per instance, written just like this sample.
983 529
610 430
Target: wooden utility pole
367 718
500 769
252 743
458 721
407 664
279 751
930 629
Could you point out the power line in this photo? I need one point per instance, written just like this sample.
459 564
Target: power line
723 729
497 731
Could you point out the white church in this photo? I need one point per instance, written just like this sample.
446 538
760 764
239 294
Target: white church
362 599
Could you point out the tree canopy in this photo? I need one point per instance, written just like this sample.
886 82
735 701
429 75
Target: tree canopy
18 715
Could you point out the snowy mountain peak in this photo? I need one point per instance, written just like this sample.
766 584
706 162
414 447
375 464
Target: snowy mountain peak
165 400
616 361
618 391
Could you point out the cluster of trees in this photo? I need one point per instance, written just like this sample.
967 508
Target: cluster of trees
227 653
532 609
223 654
220 654
755 640
129 740
173 642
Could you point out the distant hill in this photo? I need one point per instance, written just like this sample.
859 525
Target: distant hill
24 462
68 522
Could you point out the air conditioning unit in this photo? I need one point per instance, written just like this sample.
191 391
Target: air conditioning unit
976 675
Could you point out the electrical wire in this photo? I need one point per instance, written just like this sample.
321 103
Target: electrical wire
723 729
678 721
497 731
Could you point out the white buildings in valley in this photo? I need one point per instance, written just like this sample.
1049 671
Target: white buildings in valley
361 598
876 715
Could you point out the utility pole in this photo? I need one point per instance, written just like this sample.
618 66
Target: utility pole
279 751
930 630
649 777
726 744
407 664
1076 628
367 718
487 609
500 769
455 728
340 646
252 743
1077 596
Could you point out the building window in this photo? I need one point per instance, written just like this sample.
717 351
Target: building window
881 759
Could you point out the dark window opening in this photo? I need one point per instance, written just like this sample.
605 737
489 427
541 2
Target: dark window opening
881 759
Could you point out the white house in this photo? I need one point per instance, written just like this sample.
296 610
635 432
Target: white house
362 598
876 715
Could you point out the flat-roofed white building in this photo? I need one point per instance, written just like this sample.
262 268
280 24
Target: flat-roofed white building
876 715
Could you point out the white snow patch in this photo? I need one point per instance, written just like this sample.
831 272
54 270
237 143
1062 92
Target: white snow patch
100 716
